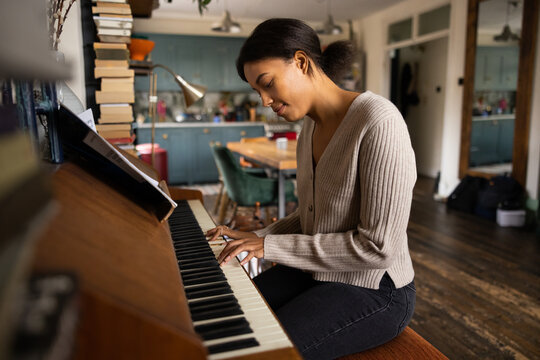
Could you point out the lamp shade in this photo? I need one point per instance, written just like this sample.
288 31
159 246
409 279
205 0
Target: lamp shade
191 92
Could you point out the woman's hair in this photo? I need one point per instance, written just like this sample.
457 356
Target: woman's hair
282 38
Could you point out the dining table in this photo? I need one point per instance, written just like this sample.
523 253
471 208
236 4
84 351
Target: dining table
269 155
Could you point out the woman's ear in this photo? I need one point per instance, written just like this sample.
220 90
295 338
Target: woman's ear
302 61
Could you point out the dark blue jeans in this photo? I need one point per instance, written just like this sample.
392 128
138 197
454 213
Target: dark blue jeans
326 320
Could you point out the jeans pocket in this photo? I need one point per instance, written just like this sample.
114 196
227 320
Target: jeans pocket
410 298
411 286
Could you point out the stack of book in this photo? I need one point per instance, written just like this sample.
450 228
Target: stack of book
114 22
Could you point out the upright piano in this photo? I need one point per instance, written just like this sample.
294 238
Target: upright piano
151 289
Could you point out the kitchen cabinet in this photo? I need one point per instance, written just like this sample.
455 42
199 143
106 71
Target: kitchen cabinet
204 60
496 68
492 139
189 156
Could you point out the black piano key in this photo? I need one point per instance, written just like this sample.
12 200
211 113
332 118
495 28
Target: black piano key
201 264
217 313
183 262
208 303
222 329
193 254
189 271
233 345
204 280
184 236
205 287
181 247
208 290
195 274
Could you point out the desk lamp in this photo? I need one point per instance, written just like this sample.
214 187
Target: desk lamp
191 92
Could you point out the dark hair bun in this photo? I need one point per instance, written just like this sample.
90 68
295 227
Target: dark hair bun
337 59
282 38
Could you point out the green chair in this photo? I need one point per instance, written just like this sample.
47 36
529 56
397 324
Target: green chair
244 188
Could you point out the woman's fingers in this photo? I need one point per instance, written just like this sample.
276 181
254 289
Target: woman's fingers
217 232
247 258
254 247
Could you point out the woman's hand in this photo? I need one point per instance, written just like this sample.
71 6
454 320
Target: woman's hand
223 230
244 241
253 245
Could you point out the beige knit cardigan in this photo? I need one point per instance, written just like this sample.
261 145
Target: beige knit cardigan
353 208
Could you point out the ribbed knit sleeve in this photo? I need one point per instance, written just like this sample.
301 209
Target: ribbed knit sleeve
287 225
356 233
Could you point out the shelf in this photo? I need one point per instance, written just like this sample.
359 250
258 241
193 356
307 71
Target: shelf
142 8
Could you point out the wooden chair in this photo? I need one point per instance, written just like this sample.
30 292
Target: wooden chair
244 188
407 346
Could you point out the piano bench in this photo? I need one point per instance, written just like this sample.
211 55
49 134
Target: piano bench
407 346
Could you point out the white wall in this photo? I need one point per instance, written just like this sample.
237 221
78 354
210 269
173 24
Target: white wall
71 44
425 120
533 165
373 32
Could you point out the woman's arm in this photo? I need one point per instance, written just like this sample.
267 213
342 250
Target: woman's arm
387 173
287 225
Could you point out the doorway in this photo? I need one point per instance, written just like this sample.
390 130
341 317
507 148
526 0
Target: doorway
418 82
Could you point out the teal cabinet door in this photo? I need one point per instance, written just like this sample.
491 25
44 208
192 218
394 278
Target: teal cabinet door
484 138
238 132
180 160
510 66
505 144
496 68
204 166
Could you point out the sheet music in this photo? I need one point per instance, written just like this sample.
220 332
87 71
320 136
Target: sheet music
103 147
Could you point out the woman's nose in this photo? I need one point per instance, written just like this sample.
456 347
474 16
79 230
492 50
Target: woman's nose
266 100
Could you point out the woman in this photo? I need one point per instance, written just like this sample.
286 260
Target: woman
344 279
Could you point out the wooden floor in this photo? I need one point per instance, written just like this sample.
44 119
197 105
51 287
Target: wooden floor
478 285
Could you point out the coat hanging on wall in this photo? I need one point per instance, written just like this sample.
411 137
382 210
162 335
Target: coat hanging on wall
408 92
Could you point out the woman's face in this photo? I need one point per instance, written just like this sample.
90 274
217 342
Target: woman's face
283 85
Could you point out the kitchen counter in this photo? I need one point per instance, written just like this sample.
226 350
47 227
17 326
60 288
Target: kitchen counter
494 117
198 124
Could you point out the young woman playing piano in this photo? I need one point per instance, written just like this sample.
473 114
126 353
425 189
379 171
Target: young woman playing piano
344 279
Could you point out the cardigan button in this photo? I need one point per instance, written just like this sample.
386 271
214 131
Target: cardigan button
310 208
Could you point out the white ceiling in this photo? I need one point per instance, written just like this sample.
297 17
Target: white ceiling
493 15
308 10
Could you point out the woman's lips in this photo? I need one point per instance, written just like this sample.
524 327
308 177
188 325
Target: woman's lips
280 110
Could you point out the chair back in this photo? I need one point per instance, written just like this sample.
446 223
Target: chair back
243 188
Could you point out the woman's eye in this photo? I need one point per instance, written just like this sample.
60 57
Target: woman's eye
270 84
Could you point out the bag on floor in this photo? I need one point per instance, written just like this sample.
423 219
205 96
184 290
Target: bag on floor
465 195
501 192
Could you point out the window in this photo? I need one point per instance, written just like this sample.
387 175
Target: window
434 20
399 31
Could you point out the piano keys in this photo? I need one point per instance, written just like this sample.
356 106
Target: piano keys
227 309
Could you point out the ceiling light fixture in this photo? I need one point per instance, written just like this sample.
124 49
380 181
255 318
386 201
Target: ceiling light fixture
329 27
227 24
507 34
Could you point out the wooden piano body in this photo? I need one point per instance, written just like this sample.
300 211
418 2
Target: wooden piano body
132 303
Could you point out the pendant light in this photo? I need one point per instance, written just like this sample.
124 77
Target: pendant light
507 34
227 24
329 27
